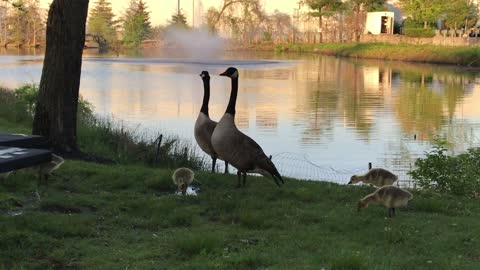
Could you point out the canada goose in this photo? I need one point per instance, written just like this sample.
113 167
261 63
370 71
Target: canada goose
182 177
204 126
377 176
44 170
390 196
239 150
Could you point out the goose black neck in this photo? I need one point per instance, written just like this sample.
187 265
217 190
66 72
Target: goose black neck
233 97
206 96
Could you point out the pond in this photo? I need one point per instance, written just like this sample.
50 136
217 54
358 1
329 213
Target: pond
320 117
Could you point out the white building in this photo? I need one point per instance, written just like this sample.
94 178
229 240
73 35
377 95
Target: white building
379 22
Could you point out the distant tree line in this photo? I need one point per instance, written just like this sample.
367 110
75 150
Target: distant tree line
22 23
130 29
456 14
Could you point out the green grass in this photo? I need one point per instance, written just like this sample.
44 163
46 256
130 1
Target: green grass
464 56
118 216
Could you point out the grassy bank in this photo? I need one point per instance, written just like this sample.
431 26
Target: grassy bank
126 216
118 216
464 56
104 137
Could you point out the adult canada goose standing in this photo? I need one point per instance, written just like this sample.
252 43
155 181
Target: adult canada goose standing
204 126
236 148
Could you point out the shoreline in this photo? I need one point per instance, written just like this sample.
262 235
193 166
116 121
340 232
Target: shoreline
468 57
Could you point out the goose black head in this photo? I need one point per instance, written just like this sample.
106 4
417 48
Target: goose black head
205 75
230 72
353 180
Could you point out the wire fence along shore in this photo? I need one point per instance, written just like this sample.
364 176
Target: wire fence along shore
299 166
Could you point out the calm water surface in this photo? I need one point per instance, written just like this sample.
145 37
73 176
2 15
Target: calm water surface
320 117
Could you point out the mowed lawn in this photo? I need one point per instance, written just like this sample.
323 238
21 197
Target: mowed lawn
94 216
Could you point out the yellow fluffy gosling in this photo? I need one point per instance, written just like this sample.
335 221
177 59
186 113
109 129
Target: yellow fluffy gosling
378 177
390 196
182 177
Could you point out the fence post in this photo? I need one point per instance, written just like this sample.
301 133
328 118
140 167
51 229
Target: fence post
158 149
369 165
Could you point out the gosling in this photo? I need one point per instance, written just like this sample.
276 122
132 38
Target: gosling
182 178
390 196
46 169
378 177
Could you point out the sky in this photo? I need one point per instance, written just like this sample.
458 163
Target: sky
161 10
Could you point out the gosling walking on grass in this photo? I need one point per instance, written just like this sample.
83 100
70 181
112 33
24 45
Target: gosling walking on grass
46 169
182 178
378 177
390 196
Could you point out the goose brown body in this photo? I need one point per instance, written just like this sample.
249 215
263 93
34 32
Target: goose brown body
204 126
376 176
389 196
236 148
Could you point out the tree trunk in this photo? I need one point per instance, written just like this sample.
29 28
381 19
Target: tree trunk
320 24
56 109
357 23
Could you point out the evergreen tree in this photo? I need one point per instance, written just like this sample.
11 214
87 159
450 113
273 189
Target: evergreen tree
101 23
178 20
136 23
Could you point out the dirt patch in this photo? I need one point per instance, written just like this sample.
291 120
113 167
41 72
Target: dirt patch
55 208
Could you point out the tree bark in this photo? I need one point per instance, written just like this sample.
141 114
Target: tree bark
56 109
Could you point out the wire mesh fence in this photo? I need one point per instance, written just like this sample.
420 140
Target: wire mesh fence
299 166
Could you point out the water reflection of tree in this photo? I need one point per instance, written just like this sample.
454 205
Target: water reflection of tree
359 105
336 87
424 106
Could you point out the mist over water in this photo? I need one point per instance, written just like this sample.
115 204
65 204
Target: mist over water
196 44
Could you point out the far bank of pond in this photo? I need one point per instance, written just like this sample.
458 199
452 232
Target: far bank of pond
462 56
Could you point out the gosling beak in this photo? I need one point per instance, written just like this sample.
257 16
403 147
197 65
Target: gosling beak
349 183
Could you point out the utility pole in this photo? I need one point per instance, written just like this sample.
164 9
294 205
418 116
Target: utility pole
178 8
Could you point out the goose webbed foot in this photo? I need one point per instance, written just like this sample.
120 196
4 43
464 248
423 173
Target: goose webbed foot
244 179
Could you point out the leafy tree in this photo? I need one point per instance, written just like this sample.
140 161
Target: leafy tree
136 23
323 8
460 13
34 22
101 23
21 24
214 16
426 11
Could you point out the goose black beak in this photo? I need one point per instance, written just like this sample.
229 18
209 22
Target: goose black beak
223 74
349 183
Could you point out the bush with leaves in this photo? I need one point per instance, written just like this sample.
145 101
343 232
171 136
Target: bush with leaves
454 174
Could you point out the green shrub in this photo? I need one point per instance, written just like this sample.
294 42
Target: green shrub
442 173
419 32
